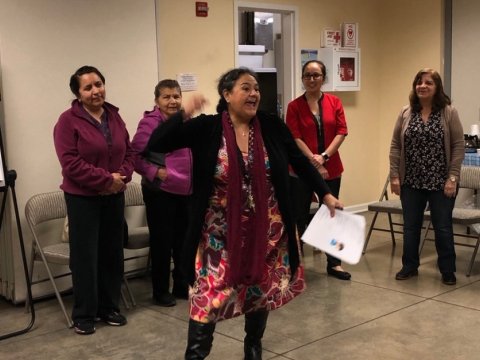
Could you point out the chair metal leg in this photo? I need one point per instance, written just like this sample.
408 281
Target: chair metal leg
424 237
57 293
59 298
392 233
129 291
474 255
370 232
149 262
124 300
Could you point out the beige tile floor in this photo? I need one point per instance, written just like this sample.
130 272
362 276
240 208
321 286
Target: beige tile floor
371 317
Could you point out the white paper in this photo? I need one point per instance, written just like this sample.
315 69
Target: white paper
342 236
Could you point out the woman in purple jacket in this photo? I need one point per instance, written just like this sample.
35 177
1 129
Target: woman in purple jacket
93 147
166 184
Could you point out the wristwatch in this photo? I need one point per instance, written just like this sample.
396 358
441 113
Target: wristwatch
452 178
325 156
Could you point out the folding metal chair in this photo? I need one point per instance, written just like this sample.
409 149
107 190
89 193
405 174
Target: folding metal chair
469 179
39 210
389 207
138 236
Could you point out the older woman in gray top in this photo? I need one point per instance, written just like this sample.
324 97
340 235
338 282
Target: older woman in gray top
426 154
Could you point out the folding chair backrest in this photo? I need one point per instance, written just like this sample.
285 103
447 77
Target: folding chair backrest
133 195
469 177
44 207
384 194
138 236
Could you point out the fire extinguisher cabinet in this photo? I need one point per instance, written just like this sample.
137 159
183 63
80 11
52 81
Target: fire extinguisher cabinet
343 68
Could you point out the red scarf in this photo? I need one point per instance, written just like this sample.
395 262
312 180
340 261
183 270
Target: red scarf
247 240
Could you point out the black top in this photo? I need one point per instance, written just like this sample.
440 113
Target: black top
203 134
425 159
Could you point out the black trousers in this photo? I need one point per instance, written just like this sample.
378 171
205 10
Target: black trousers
167 223
95 227
302 200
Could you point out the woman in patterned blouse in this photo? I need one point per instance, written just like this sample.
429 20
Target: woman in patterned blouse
426 154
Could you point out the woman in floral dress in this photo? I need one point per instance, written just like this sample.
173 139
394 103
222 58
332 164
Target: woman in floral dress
242 251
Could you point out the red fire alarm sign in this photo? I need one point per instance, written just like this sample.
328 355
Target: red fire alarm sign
201 8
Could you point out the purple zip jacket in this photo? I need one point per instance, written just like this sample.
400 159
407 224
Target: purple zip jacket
178 163
86 159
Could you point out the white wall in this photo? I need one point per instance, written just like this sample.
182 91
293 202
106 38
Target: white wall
41 44
465 67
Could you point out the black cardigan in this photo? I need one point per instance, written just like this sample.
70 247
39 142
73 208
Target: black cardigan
203 134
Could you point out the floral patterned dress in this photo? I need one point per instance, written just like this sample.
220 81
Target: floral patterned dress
211 298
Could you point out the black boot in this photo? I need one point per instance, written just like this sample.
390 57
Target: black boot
255 324
200 338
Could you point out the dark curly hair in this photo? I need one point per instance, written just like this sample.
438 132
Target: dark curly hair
227 82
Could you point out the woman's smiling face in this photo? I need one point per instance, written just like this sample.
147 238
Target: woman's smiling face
312 77
169 101
244 98
426 88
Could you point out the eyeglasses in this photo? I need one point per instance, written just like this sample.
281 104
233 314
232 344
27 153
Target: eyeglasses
314 76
